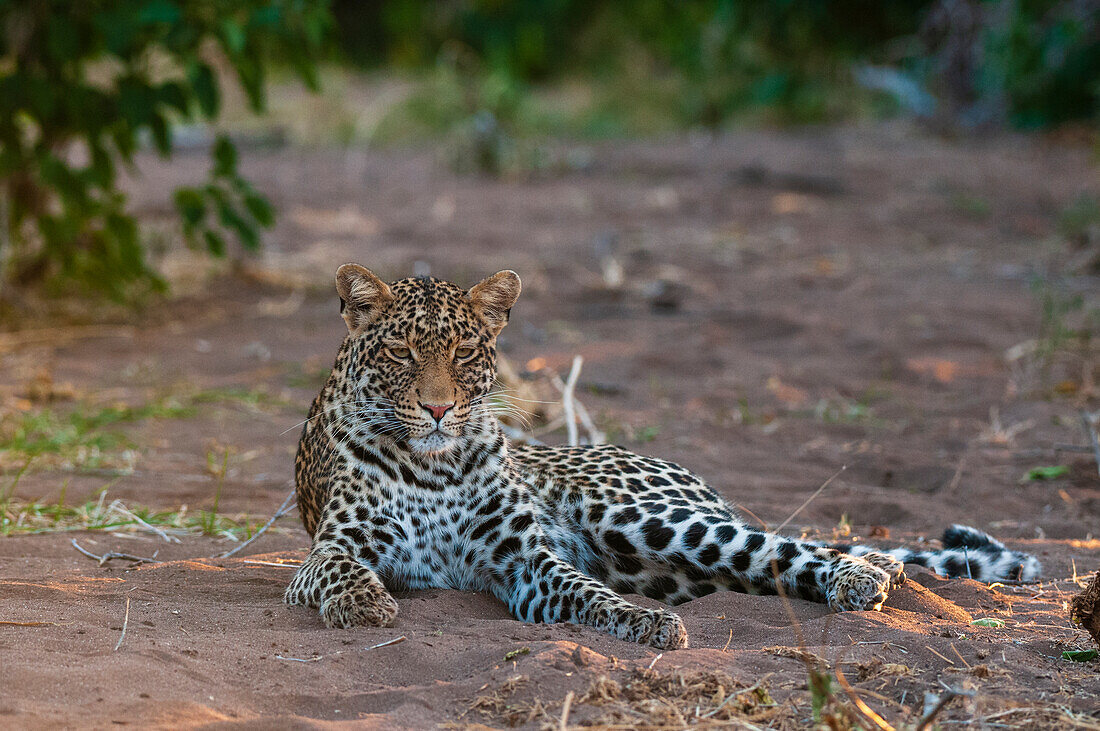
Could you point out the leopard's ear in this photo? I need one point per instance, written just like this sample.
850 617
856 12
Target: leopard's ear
363 296
494 296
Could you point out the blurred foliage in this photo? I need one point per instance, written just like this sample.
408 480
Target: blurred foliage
1027 62
83 85
724 56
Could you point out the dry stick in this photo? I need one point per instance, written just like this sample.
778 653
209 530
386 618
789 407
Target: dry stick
387 643
9 623
564 723
125 623
112 555
1062 447
283 510
1015 582
1090 431
928 717
567 401
595 436
810 499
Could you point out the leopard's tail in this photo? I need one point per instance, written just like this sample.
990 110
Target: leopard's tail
967 552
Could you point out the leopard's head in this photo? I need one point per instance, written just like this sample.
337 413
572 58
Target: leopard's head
420 354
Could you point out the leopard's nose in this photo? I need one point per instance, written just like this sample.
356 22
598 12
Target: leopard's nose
437 410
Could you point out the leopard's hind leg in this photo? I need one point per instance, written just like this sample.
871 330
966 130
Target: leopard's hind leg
675 560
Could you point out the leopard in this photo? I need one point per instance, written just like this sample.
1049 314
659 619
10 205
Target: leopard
406 480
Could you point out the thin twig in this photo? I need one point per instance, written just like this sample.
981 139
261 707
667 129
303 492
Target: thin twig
9 623
112 555
810 498
654 661
1094 440
283 510
942 657
952 644
317 658
567 402
125 624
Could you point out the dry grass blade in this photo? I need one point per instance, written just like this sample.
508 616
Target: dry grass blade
125 624
865 709
118 507
564 723
810 499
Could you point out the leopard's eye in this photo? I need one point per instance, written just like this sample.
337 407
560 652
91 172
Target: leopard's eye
463 353
399 353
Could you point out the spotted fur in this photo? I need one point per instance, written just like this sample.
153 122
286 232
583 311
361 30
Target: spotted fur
405 480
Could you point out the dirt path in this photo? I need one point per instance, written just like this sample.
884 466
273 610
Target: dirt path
791 304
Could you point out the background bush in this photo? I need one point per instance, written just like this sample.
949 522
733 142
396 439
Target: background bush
84 84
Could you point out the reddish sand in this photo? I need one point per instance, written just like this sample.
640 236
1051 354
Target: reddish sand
863 324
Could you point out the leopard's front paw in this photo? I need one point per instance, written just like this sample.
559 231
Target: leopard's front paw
358 608
889 564
660 628
857 586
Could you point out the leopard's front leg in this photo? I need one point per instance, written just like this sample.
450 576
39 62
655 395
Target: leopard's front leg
338 577
542 587
348 593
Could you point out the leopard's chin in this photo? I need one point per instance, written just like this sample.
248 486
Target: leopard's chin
433 444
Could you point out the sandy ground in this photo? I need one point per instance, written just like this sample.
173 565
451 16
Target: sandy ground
792 304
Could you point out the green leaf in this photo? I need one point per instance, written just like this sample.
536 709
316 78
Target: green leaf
205 86
191 206
245 231
160 11
215 244
233 35
1053 472
260 209
988 622
1080 655
162 134
225 157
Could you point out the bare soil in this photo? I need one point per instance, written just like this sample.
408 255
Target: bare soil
792 303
